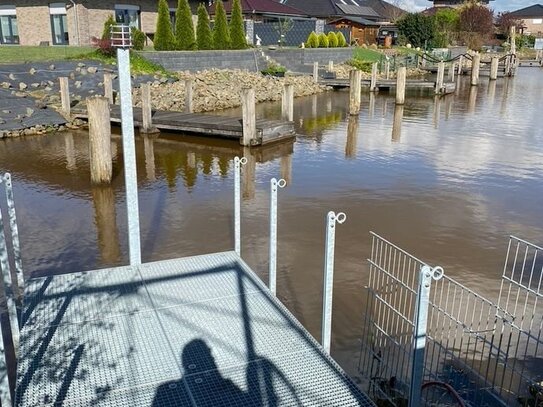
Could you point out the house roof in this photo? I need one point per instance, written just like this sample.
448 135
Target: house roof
532 11
352 10
357 20
337 8
261 7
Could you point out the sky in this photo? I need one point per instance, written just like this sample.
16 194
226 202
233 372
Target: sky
497 5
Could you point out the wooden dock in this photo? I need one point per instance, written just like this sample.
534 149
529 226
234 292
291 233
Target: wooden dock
268 131
531 63
448 87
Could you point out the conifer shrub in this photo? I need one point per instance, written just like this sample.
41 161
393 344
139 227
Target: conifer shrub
237 31
184 27
204 36
323 40
164 39
221 33
332 39
341 41
312 40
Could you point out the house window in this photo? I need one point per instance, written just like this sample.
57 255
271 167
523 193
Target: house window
538 20
128 15
9 33
59 23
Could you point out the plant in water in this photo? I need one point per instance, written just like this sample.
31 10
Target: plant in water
184 27
204 36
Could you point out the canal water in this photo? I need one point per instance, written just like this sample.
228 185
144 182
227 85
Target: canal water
447 179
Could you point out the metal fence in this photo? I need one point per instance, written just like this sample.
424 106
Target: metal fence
477 352
291 32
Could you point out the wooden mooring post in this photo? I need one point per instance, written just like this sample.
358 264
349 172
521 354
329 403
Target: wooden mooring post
248 109
475 67
452 71
330 66
146 110
189 84
494 63
287 106
108 87
65 95
99 140
387 69
355 79
315 72
373 83
401 80
460 65
439 78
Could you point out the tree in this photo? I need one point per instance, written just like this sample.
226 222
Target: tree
282 27
204 37
418 29
447 22
221 34
237 31
184 27
323 40
164 39
505 21
476 24
332 39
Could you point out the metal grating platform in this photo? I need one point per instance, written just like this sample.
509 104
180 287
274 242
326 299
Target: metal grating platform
199 331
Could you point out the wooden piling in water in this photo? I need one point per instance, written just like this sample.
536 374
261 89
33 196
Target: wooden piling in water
330 66
475 67
460 65
248 109
146 110
108 87
452 70
373 83
355 79
401 80
189 108
99 140
387 69
65 95
287 106
315 72
439 78
494 63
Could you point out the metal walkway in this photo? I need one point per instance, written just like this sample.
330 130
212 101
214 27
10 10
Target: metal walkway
198 331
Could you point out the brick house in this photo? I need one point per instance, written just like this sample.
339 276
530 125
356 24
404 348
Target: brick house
532 18
72 22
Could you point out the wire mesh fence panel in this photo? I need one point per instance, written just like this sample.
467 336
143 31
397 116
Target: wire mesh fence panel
488 353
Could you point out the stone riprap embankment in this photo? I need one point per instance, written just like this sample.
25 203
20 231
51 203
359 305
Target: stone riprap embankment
30 98
220 89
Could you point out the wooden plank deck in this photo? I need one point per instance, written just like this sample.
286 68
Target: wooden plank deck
448 87
268 131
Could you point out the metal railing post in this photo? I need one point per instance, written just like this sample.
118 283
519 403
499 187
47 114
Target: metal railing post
327 294
274 185
14 236
238 162
426 275
123 43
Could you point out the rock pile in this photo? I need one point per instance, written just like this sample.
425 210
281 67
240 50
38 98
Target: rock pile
219 89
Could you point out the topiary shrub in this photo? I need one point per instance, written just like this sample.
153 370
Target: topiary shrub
204 36
184 27
138 39
164 39
341 41
323 40
364 66
237 32
312 40
221 33
332 39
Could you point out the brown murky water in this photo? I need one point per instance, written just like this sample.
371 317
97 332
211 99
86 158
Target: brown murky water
447 179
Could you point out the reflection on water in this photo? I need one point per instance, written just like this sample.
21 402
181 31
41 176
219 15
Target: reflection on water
446 178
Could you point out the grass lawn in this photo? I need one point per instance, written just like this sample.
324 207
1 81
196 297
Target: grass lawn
366 54
13 54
